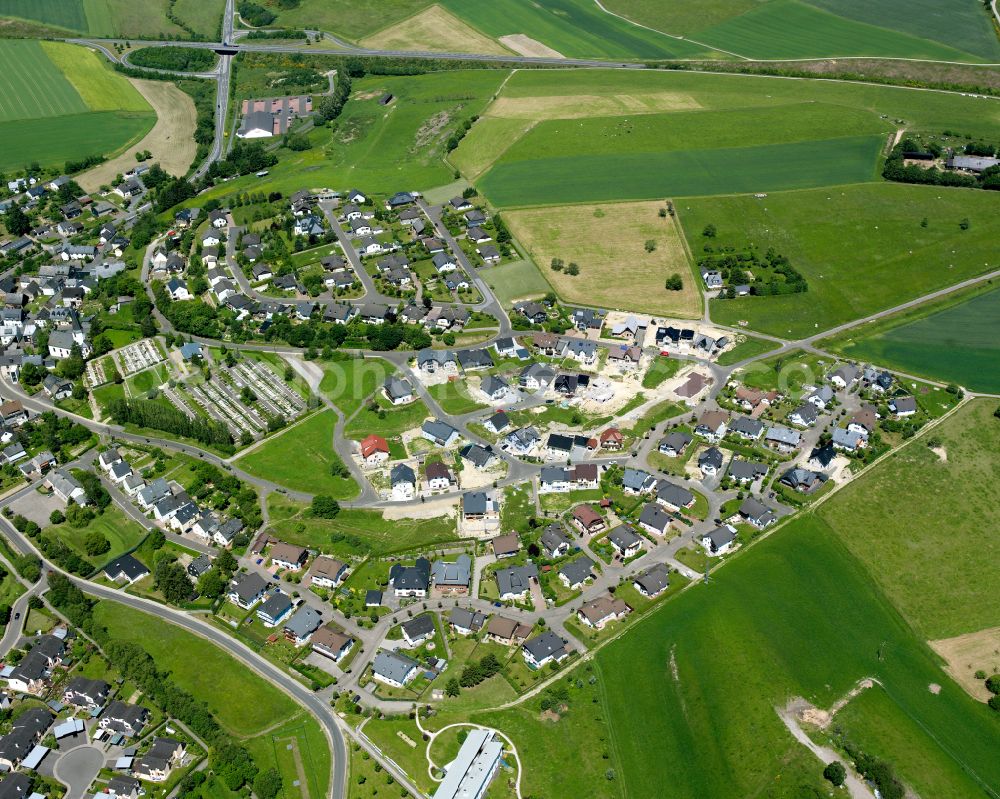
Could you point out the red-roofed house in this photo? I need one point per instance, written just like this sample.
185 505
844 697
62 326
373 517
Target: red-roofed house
612 439
374 451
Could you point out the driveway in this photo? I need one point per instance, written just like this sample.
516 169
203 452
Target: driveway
77 769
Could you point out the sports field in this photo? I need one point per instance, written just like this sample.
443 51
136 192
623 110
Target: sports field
607 242
861 248
60 101
959 343
932 557
924 28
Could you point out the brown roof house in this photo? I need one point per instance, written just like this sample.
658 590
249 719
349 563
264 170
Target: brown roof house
602 610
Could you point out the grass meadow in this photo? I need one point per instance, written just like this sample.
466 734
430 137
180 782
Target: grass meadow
301 458
517 280
956 341
795 616
932 560
384 149
608 242
59 101
122 532
861 248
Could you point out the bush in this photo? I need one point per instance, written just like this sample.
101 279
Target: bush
835 773
95 543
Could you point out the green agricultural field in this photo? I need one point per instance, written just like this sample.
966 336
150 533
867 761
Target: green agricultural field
766 617
597 177
534 96
573 28
515 281
852 243
60 102
68 14
128 18
211 675
383 148
955 341
301 458
749 347
952 23
794 29
345 17
932 560
686 130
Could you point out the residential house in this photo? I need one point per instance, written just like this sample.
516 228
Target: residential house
720 540
804 416
544 648
403 482
466 622
247 589
453 578
275 608
393 668
303 623
673 497
411 581
506 546
612 439
625 541
756 513
439 477
498 422
86 694
576 572
374 451
746 428
327 572
124 718
599 612
903 406
637 481
125 569
440 433
674 444
587 520
514 583
655 519
805 481
712 425
710 461
745 472
398 391
783 439
554 542
418 629
506 631
331 643
652 581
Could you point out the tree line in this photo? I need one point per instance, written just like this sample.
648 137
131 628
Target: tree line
154 415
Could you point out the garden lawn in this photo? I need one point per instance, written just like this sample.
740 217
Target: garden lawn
608 242
301 457
956 341
659 370
208 673
348 383
455 398
931 558
852 244
122 532
390 420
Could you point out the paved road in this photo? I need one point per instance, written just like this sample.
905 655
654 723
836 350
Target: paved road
77 768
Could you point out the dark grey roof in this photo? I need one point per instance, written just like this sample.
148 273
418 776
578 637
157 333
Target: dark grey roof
546 644
654 516
711 457
516 579
275 606
126 565
654 579
746 470
419 627
393 665
467 619
553 538
249 585
673 494
578 570
623 537
411 578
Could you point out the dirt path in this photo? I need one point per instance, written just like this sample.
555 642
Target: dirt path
300 770
171 141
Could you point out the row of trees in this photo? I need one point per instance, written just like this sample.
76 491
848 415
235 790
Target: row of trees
147 413
177 59
897 170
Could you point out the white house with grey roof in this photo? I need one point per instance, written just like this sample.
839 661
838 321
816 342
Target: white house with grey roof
394 669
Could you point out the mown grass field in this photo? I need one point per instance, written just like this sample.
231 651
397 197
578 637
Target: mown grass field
574 28
955 341
347 18
59 101
679 173
861 248
517 280
932 558
607 242
794 29
301 458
